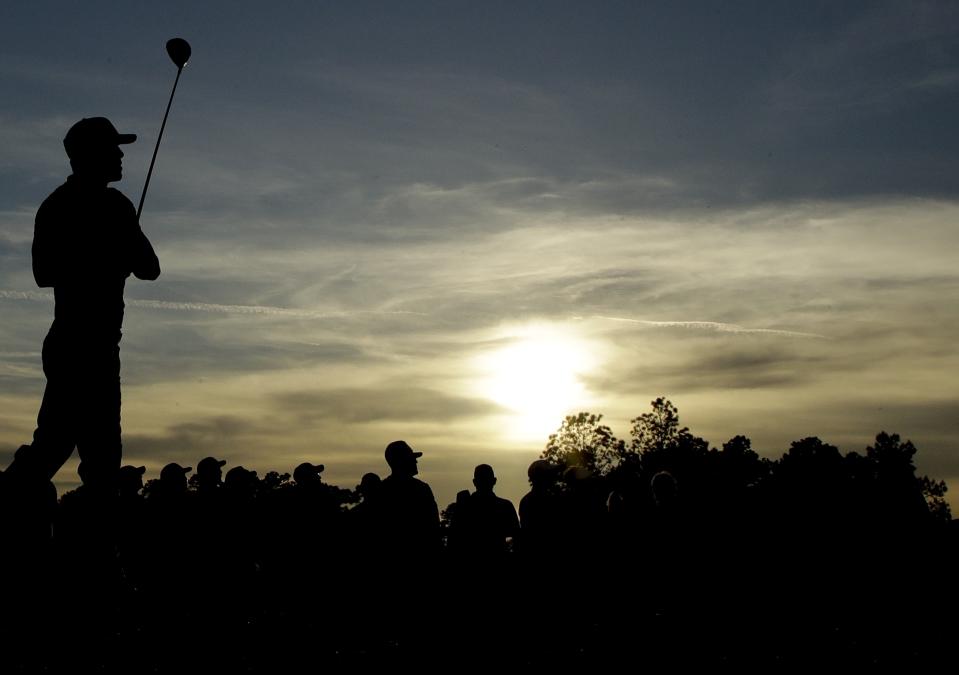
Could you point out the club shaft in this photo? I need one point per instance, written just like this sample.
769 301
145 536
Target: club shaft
157 148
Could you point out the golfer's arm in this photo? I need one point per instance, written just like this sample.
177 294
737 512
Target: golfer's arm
146 265
44 251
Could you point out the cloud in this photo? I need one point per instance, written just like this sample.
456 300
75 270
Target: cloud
713 326
718 367
187 442
374 404
347 219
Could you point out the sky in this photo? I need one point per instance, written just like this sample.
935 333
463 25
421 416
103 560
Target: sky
456 222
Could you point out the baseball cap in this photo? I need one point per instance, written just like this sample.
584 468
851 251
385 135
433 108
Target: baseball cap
94 133
173 470
210 464
131 471
399 450
305 471
238 475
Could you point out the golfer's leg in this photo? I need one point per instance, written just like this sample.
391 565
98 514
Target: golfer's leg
99 442
54 438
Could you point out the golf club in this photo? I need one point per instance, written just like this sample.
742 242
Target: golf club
179 51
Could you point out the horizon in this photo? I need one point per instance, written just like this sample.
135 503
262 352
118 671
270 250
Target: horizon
456 225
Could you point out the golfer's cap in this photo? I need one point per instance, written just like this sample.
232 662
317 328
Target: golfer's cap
400 450
93 133
173 470
305 470
210 464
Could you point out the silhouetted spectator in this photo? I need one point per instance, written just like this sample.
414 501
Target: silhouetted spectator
407 507
33 499
28 509
457 534
491 521
132 524
670 540
169 509
241 523
409 527
213 555
313 513
209 475
363 539
361 521
307 475
540 512
209 516
168 506
368 491
584 512
130 482
665 493
173 480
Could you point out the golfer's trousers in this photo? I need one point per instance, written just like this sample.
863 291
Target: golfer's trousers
80 409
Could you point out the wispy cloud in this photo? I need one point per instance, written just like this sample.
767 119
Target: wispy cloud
712 326
35 296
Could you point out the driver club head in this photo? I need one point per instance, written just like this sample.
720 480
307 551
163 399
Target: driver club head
179 51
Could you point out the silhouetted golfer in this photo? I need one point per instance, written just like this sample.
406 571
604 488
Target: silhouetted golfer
87 241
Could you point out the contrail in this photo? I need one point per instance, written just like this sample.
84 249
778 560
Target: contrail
258 309
26 295
216 308
311 314
713 326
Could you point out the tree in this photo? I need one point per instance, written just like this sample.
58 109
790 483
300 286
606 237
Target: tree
661 444
657 430
740 465
903 496
810 458
274 480
892 457
583 441
934 492
811 475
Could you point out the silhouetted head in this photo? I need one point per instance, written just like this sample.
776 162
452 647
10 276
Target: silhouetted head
130 479
483 478
462 497
209 472
402 459
93 146
239 479
368 485
541 474
665 489
173 477
308 474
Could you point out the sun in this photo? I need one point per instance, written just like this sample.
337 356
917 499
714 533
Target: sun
536 376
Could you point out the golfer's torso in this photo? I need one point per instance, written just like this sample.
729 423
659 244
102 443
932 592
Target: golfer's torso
83 236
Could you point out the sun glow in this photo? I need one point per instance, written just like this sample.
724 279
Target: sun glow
537 377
